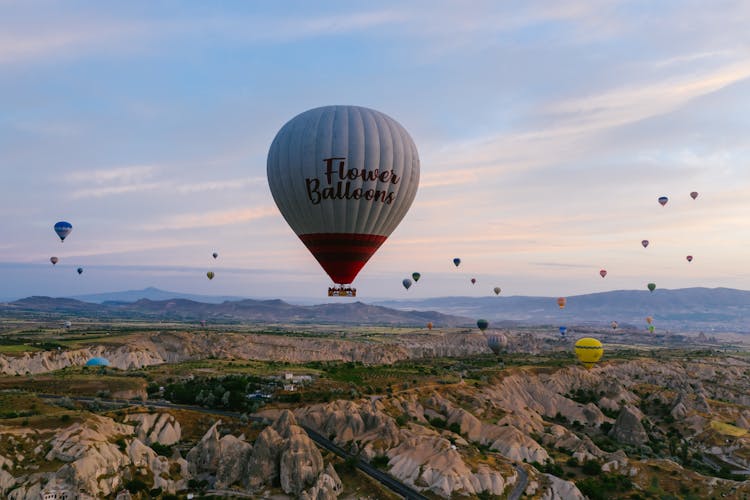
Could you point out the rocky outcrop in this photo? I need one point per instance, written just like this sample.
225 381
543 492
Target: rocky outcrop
160 428
628 428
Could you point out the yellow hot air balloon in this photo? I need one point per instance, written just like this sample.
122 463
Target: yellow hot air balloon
589 351
561 302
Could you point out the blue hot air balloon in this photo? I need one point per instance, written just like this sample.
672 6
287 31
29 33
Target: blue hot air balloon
406 283
63 229
663 200
563 330
97 362
80 270
456 261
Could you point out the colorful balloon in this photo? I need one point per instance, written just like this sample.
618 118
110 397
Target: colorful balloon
651 287
563 331
497 290
649 319
456 262
589 351
561 302
651 328
482 324
473 281
614 325
689 258
497 343
80 270
663 200
54 260
406 283
694 194
429 325
343 177
603 273
644 243
215 255
63 229
416 276
210 275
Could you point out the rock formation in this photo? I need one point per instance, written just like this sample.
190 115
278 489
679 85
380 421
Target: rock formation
628 428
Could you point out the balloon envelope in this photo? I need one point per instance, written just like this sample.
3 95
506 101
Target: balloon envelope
429 325
496 290
694 194
663 200
589 351
614 325
63 229
482 324
644 243
497 343
689 258
603 273
54 260
406 283
215 255
456 261
561 302
651 328
97 362
649 319
80 270
563 330
210 275
473 281
651 287
416 276
343 177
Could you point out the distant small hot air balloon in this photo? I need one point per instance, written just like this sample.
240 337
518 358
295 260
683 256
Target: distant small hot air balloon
561 302
80 270
614 325
215 254
649 319
663 200
210 275
415 276
473 281
456 261
563 331
406 283
589 351
54 260
694 194
651 328
496 290
482 324
429 325
603 273
497 343
689 258
644 243
63 229
651 287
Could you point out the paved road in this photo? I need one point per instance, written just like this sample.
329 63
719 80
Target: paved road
380 476
520 487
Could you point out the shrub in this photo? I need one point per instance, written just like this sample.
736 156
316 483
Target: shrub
592 468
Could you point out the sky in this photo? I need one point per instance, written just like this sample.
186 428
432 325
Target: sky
546 132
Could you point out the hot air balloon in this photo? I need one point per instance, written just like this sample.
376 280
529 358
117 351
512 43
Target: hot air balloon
497 343
456 262
496 290
429 325
644 243
63 229
482 324
649 319
603 273
473 281
97 362
651 328
689 258
561 302
589 351
80 270
203 322
54 260
563 331
651 287
406 283
415 276
663 200
215 254
694 194
343 177
210 275
614 325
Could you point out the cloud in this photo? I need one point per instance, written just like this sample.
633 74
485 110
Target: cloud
212 219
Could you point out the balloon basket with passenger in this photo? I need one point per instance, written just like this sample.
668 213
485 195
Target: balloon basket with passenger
342 291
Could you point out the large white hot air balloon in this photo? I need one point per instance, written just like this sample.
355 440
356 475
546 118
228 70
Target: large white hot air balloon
343 177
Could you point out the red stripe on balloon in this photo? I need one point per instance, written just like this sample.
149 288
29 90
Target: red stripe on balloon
342 255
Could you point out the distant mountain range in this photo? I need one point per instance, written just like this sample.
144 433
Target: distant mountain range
688 309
